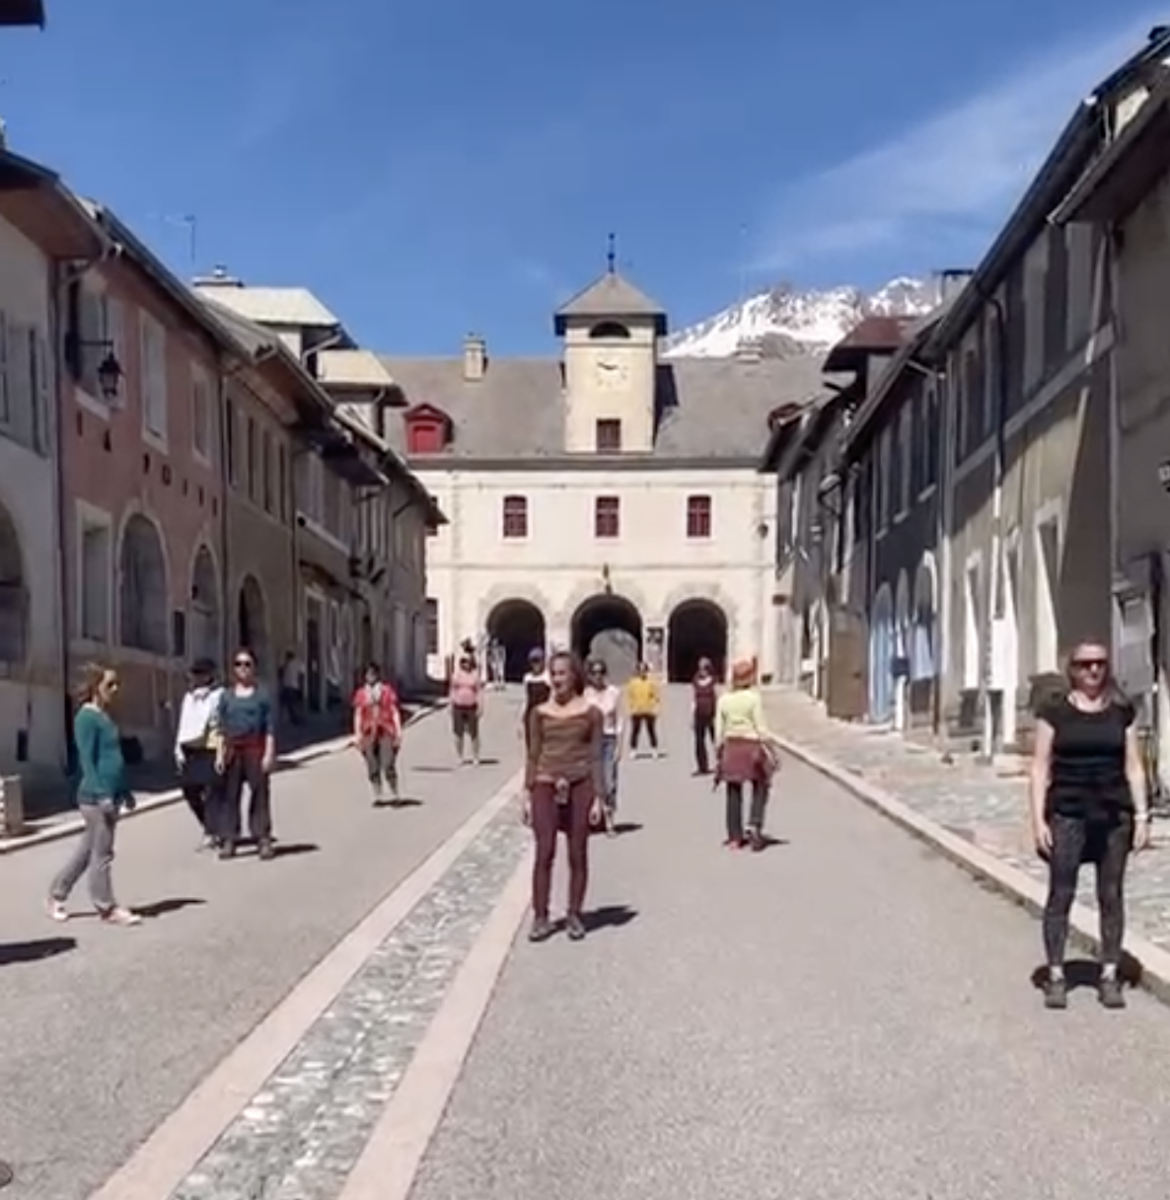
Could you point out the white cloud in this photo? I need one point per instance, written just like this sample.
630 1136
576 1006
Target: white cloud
955 173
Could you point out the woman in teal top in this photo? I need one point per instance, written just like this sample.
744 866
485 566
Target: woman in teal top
101 795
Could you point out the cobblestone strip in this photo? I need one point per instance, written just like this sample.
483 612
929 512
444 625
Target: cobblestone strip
301 1135
969 800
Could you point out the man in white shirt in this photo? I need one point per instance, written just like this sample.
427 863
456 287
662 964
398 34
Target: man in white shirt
195 744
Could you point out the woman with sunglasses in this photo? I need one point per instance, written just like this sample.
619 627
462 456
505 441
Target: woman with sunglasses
607 699
564 786
102 795
246 754
1089 804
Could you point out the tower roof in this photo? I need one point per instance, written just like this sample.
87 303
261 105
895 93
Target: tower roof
612 297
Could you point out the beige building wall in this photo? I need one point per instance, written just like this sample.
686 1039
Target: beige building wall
31 684
472 567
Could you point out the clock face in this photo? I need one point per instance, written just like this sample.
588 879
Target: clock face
611 373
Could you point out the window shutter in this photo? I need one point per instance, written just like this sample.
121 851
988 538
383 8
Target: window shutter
5 392
113 332
20 382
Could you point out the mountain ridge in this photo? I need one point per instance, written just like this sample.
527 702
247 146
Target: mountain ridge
783 321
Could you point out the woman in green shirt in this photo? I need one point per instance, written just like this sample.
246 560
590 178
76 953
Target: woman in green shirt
743 744
101 795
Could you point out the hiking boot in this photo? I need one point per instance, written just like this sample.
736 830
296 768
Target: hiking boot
541 930
1055 992
1110 992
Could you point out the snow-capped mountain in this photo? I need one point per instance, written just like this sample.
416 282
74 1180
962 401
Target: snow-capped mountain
785 321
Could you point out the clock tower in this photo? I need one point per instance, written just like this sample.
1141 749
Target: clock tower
610 335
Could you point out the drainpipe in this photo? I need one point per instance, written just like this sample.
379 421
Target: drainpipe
65 275
995 566
942 582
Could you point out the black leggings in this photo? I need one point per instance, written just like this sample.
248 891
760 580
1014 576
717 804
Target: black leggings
1105 843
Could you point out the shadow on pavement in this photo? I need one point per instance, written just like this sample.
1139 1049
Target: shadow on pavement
609 916
294 849
767 842
161 908
628 827
401 802
424 769
29 952
1083 973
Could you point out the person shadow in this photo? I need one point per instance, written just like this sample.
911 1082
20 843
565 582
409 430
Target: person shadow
1085 973
12 953
609 916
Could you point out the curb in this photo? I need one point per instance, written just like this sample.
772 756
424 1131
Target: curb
306 754
1010 882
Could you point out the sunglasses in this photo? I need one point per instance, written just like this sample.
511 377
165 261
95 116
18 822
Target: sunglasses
244 662
1090 664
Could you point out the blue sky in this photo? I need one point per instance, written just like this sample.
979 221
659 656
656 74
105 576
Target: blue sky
433 168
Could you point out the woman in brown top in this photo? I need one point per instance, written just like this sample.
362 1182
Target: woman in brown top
564 784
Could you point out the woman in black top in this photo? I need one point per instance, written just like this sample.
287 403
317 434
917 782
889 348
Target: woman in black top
704 697
1088 804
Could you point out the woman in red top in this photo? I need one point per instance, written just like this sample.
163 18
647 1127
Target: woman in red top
377 732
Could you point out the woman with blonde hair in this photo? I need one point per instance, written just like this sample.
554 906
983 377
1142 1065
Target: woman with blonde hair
745 754
1089 804
102 794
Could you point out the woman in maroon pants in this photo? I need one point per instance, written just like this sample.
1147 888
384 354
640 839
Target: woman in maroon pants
564 786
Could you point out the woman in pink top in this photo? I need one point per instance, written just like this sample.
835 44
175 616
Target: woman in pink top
465 693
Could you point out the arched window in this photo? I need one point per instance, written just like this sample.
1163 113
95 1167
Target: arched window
609 330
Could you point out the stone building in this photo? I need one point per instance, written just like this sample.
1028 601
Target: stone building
605 498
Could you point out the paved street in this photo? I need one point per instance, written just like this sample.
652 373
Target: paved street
984 805
845 1015
105 1031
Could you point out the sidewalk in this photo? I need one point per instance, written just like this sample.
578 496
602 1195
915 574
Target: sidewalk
153 783
977 803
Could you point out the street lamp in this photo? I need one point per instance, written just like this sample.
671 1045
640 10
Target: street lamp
109 376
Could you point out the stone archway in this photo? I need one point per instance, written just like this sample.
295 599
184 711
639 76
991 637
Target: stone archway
696 629
608 627
14 612
519 626
143 599
252 622
205 633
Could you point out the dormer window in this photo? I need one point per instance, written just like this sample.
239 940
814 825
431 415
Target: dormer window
428 430
609 331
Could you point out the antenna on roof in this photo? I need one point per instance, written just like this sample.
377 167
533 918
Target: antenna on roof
611 255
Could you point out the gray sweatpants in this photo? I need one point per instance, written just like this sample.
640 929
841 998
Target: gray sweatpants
94 852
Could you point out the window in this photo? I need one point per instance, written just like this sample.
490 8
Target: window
233 465
154 378
515 516
266 470
1035 276
698 516
424 437
432 626
609 436
5 385
201 435
905 457
94 579
39 368
1079 312
282 480
607 517
251 466
882 480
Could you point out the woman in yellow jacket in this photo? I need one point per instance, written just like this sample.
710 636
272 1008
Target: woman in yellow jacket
644 702
746 755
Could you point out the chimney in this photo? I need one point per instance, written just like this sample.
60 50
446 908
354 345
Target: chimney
219 277
950 283
474 358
